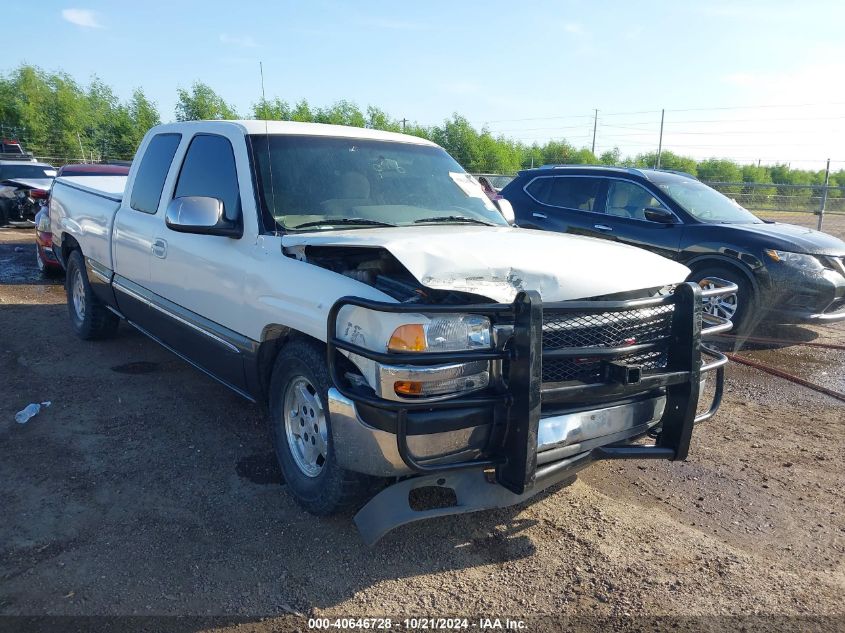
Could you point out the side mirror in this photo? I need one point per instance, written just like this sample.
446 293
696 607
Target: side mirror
656 214
201 215
506 209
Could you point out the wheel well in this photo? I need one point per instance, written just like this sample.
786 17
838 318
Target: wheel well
273 338
69 244
713 262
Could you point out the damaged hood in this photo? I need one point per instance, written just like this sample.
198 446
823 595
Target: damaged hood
29 183
499 262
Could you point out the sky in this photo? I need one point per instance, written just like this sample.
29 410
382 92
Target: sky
743 80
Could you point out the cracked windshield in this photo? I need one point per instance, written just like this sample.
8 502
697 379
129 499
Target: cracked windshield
315 183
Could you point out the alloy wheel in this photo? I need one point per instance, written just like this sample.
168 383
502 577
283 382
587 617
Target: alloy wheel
724 306
305 426
78 294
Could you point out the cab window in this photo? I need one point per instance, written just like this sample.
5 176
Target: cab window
209 170
149 182
629 200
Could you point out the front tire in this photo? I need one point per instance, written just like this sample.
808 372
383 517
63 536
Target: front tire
740 307
300 427
89 318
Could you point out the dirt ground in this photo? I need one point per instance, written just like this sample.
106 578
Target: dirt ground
147 488
833 223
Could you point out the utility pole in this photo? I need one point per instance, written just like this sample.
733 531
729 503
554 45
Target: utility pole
595 123
404 121
824 194
660 142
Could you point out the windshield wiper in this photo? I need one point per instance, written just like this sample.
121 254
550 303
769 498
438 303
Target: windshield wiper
336 221
453 218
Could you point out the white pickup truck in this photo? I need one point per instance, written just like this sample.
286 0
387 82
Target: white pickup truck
402 334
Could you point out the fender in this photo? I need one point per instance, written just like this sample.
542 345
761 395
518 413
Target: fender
69 227
718 259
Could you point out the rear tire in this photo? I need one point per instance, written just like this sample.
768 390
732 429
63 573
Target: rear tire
89 318
739 308
300 427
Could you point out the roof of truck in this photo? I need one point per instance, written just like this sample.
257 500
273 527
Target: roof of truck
302 129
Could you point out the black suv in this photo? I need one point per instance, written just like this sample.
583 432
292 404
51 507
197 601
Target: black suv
785 273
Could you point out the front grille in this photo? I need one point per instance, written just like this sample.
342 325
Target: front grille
608 329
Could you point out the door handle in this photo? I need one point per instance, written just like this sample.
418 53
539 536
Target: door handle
542 216
159 248
603 227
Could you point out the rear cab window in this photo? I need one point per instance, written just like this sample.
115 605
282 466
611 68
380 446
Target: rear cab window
209 171
149 181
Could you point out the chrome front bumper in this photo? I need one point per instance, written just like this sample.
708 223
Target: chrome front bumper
362 448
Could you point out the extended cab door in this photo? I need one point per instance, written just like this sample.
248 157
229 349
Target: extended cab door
198 280
624 217
135 225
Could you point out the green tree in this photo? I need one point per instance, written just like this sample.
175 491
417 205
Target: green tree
302 112
460 139
275 110
532 156
720 170
793 190
143 113
379 120
668 160
754 195
340 113
202 103
611 157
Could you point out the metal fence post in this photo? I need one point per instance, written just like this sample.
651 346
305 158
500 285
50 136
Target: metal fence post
824 194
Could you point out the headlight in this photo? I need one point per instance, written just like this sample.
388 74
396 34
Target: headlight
443 333
795 260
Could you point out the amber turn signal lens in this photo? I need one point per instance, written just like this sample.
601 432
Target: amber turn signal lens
408 338
408 387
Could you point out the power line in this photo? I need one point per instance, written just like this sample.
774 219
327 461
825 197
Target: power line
731 132
570 116
669 122
672 122
767 105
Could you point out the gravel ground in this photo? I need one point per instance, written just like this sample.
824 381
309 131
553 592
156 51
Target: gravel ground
146 488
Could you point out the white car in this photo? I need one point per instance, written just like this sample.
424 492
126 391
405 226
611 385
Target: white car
401 332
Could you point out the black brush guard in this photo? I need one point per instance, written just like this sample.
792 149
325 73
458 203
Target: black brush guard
516 399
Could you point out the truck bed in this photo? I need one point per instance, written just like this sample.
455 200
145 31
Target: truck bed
108 186
84 208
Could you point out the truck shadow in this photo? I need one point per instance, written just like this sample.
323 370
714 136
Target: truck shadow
148 473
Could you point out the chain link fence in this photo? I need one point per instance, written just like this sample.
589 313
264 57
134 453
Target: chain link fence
788 198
